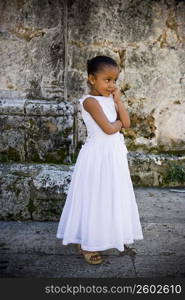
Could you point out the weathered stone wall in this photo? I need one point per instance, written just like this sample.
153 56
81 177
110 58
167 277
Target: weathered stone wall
32 47
44 46
36 131
147 38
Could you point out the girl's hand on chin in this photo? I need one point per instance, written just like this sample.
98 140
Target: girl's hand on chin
116 95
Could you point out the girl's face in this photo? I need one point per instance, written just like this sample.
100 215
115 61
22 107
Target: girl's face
103 83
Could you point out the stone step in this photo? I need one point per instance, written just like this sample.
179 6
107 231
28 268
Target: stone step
11 94
38 192
36 130
33 191
11 105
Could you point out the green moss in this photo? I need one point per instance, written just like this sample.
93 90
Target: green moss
66 132
7 127
34 84
169 152
136 179
176 147
35 157
74 157
3 157
76 152
175 173
17 191
18 216
61 153
20 173
173 152
10 155
132 147
153 150
56 157
51 211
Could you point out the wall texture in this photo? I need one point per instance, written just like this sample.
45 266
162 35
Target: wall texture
44 46
147 38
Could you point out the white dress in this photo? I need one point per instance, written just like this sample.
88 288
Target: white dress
100 211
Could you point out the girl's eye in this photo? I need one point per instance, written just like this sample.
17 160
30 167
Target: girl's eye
108 80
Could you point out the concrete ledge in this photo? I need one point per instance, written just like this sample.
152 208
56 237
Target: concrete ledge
36 107
33 191
157 169
38 191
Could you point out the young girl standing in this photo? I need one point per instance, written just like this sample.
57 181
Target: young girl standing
100 211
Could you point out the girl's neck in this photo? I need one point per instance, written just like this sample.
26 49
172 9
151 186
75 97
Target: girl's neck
94 93
98 95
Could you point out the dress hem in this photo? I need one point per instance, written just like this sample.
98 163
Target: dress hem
103 248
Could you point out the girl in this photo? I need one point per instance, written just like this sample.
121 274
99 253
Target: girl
100 211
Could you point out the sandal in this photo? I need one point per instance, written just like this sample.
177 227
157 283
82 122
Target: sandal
128 251
92 258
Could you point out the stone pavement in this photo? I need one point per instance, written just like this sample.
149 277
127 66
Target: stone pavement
30 249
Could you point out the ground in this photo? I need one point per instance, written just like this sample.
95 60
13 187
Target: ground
30 249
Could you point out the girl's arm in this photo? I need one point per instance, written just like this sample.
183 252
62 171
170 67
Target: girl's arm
92 106
121 109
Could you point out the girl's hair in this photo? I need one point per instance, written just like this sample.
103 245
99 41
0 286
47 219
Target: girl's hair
96 63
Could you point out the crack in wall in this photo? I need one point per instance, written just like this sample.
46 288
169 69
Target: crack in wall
65 48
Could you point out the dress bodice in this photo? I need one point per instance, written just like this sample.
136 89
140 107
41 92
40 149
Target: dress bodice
94 131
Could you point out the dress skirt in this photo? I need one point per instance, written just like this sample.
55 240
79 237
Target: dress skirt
100 211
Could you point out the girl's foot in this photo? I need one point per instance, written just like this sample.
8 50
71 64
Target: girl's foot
91 257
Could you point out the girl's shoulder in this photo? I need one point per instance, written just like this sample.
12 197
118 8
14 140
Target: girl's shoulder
99 98
81 100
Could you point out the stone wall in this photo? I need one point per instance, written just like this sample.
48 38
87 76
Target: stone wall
44 46
147 38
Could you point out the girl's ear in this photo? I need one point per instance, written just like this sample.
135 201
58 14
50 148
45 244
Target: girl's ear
91 79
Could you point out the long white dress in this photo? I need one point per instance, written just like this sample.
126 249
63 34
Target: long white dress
100 211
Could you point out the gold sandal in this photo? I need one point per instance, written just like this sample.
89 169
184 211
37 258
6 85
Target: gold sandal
92 258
